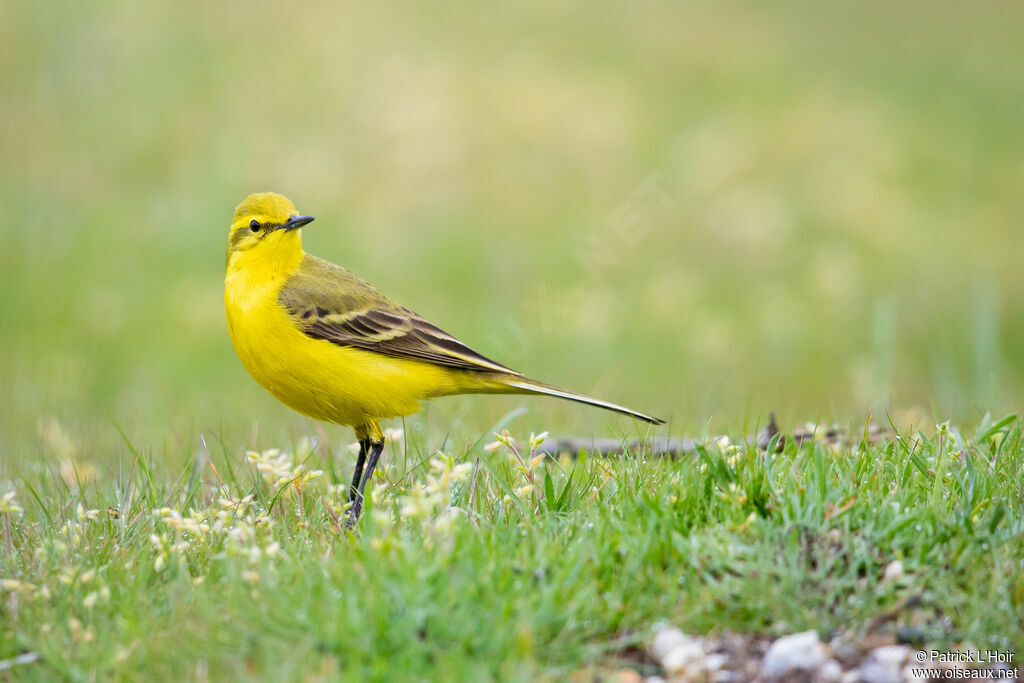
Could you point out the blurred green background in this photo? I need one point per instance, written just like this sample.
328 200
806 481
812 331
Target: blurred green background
704 210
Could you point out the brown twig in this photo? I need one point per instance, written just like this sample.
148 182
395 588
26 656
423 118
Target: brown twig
673 448
334 516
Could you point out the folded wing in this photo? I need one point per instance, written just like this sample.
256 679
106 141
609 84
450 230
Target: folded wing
327 302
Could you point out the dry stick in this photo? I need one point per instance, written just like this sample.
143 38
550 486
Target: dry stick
661 446
334 516
27 658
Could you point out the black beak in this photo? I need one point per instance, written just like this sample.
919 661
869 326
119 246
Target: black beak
296 222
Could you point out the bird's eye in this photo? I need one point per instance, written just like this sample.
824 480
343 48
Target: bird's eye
255 225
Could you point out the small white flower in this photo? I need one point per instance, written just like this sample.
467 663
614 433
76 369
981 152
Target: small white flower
8 505
725 445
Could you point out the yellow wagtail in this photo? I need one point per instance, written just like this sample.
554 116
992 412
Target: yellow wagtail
329 345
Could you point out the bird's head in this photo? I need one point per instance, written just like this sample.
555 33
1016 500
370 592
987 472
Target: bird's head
266 225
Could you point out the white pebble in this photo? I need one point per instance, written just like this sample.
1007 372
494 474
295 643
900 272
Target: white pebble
830 672
893 570
666 640
892 657
797 651
714 662
684 657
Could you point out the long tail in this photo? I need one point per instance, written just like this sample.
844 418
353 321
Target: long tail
530 386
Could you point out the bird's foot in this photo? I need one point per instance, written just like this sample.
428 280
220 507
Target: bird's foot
358 492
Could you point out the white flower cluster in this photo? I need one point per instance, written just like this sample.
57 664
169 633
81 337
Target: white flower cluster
239 526
427 506
277 470
526 466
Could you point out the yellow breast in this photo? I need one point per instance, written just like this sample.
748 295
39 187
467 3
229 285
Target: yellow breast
315 377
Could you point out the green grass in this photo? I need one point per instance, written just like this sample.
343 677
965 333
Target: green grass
513 585
836 233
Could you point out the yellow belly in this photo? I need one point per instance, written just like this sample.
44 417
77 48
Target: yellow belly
318 378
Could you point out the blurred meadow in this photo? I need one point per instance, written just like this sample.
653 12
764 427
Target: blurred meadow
705 210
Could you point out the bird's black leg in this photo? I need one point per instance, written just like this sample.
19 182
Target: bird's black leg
356 509
357 476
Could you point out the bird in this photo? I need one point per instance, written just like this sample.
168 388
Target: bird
330 346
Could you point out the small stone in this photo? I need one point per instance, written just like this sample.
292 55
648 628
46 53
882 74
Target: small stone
885 664
714 662
677 652
666 640
796 651
684 657
891 656
876 672
655 679
893 570
830 672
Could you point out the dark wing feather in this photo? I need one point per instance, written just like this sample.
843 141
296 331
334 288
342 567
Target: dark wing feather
328 302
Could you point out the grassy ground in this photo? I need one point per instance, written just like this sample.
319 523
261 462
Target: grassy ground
543 567
703 210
